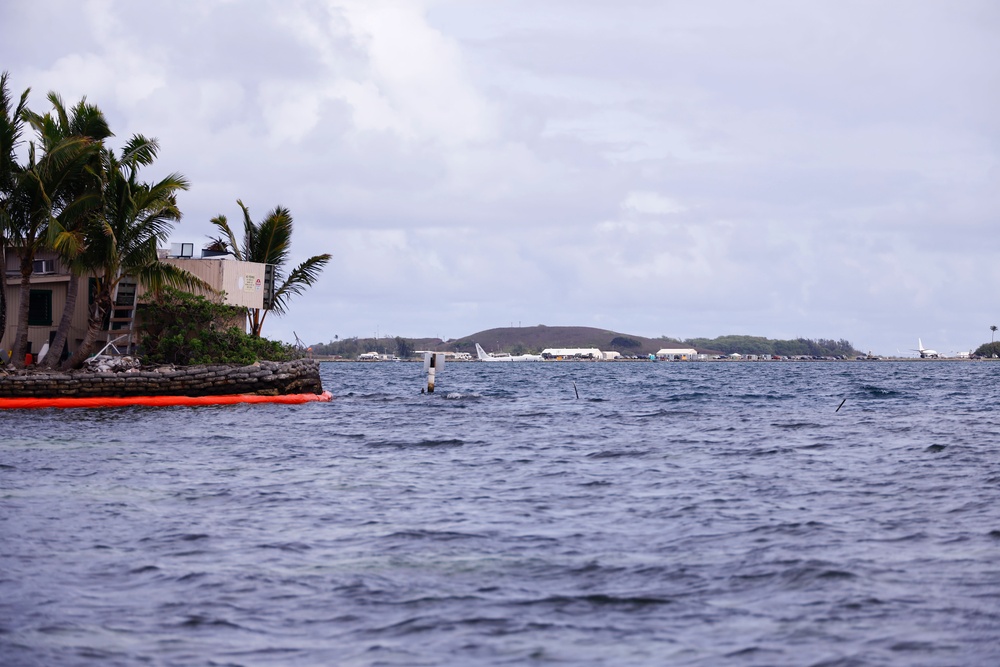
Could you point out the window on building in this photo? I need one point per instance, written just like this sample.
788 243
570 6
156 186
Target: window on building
40 308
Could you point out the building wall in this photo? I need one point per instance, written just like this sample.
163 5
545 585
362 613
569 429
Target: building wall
572 353
243 282
58 284
683 353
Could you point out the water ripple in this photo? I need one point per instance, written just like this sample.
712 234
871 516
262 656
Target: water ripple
689 514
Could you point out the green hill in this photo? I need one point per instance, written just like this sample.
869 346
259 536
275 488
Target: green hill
516 340
522 340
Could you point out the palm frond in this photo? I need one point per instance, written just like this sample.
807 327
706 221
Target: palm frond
249 234
11 120
157 275
139 151
222 224
274 237
301 277
269 242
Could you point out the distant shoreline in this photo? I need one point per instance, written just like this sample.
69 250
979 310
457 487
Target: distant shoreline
321 358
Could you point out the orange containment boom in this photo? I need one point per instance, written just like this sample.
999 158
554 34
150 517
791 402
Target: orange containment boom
157 401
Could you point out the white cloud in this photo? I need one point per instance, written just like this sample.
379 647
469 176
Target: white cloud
414 84
783 168
651 203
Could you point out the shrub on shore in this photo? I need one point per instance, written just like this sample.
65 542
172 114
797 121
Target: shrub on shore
988 350
184 329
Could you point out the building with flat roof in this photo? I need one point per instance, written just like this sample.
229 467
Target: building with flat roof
677 353
569 353
235 283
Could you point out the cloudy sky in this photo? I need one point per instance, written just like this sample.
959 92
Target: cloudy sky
780 168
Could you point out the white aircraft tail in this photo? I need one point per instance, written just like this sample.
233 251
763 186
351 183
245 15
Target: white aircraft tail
920 346
481 353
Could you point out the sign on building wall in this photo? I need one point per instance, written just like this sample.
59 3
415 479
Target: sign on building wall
252 283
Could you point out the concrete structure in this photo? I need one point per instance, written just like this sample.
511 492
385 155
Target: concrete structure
267 378
245 284
242 282
678 354
571 353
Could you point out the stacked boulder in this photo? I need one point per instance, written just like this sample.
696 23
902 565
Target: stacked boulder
123 376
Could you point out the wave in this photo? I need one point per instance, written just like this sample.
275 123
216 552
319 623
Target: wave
618 453
458 396
879 392
596 600
421 444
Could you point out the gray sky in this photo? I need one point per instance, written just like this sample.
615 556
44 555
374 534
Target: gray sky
774 168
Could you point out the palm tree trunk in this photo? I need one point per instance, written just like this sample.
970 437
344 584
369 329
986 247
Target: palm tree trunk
62 332
85 348
3 299
256 321
94 326
24 295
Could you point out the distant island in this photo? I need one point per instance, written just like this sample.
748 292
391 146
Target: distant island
532 340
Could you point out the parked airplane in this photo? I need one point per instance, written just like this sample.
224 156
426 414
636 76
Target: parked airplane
503 356
925 353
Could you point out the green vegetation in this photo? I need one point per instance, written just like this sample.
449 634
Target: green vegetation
51 197
784 348
180 328
75 196
350 348
11 127
403 347
81 201
269 242
134 219
988 350
621 343
521 340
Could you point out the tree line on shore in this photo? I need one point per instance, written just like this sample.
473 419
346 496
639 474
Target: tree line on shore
403 347
798 347
71 193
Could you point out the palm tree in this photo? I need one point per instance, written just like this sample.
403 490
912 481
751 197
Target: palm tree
43 190
993 332
28 211
269 242
77 202
135 218
11 125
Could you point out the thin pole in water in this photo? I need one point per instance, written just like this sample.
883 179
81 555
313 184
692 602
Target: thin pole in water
433 361
841 405
576 390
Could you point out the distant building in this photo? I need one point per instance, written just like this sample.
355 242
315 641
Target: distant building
573 353
677 354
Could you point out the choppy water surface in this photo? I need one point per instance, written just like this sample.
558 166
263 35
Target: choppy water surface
673 514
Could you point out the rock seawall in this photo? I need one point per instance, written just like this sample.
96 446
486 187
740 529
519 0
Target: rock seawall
265 378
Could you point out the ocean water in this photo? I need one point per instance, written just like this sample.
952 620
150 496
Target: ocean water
523 514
